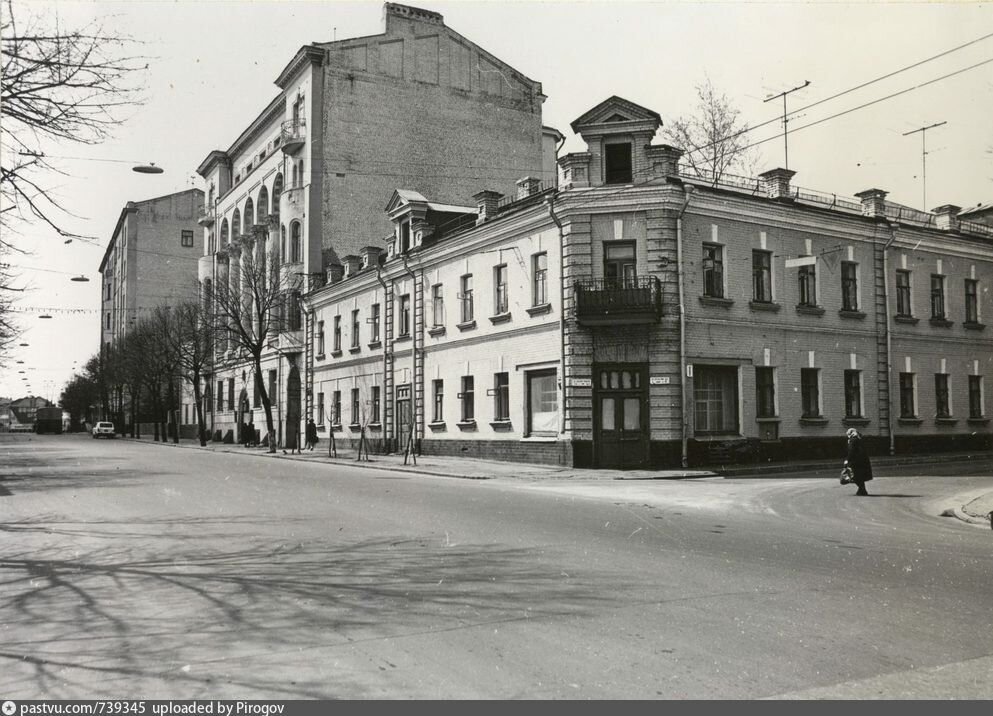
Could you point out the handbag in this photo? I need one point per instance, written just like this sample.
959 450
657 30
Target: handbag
847 475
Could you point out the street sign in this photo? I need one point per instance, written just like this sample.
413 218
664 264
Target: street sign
658 380
581 382
802 261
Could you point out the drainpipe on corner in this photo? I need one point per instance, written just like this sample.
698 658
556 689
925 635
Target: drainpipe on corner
550 203
682 327
889 342
413 351
386 351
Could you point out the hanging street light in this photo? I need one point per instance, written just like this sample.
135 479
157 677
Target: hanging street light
149 168
80 279
44 315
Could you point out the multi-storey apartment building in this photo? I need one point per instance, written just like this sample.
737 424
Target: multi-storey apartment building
305 183
151 260
637 316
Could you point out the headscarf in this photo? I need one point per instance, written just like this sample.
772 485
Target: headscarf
852 433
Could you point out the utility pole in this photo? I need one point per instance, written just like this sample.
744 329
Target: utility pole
923 131
786 146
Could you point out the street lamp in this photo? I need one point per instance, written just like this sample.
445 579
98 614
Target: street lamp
149 168
80 279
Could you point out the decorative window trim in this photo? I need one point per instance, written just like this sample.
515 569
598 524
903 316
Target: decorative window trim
941 322
375 344
819 420
336 354
946 421
806 310
402 338
438 427
501 318
856 315
974 326
501 425
860 420
540 309
436 331
770 419
355 349
467 326
716 301
770 306
909 320
320 356
909 420
466 425
978 421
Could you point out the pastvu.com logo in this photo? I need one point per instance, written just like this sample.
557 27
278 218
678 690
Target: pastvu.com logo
8 708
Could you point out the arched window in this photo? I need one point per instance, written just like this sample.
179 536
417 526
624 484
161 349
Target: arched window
301 172
249 214
211 247
262 210
295 254
294 176
282 243
277 189
236 224
224 233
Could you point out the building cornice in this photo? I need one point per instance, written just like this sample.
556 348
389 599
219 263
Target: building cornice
275 109
308 54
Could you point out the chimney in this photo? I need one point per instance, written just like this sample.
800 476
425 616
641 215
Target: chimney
352 265
370 256
946 217
527 186
575 170
873 202
663 160
335 272
486 203
776 183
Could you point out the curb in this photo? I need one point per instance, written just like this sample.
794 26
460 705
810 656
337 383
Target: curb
835 466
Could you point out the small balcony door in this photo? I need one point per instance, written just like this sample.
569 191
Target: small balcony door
620 267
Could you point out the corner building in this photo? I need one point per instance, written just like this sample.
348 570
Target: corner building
638 316
418 105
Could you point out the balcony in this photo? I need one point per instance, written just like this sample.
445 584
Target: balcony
206 216
612 302
292 135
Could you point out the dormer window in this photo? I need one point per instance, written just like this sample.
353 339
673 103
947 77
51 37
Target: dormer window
617 163
404 237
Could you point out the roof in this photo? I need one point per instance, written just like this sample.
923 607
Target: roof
615 109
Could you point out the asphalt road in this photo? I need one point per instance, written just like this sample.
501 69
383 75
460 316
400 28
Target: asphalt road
139 570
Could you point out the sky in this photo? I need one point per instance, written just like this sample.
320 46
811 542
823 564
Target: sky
212 64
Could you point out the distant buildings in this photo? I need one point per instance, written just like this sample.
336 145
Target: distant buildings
151 260
19 415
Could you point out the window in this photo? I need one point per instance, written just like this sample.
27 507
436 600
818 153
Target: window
500 299
468 398
108 321
810 393
971 301
230 393
355 406
186 237
908 399
375 404
262 209
617 163
283 256
942 403
849 286
903 307
715 399
543 403
853 394
336 335
295 319
438 391
404 237
236 222
465 296
320 338
355 328
256 393
762 276
277 189
320 409
619 264
437 305
272 387
501 396
539 279
713 271
224 232
295 243
249 214
220 395
937 296
807 285
375 322
975 396
765 393
403 329
336 407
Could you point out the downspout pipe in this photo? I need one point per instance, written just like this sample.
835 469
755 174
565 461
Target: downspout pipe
413 352
683 428
889 341
386 352
550 203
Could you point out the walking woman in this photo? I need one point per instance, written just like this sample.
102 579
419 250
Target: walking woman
858 460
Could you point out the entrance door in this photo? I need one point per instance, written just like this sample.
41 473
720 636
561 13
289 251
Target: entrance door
404 416
621 414
292 409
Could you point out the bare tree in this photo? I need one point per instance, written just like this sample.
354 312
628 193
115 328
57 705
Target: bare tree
254 301
188 334
61 85
8 329
713 137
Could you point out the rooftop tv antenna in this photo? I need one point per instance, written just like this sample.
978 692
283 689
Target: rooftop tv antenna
786 145
923 131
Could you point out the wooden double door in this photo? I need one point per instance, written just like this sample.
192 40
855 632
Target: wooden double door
620 414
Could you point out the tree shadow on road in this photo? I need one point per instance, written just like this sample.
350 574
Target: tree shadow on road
164 615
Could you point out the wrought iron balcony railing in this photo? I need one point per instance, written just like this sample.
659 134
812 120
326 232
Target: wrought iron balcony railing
618 301
292 135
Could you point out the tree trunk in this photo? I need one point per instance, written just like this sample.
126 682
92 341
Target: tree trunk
266 403
198 405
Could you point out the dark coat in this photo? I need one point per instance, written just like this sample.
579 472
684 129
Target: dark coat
311 432
858 460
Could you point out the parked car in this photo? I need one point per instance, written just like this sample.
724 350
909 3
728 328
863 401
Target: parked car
102 429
